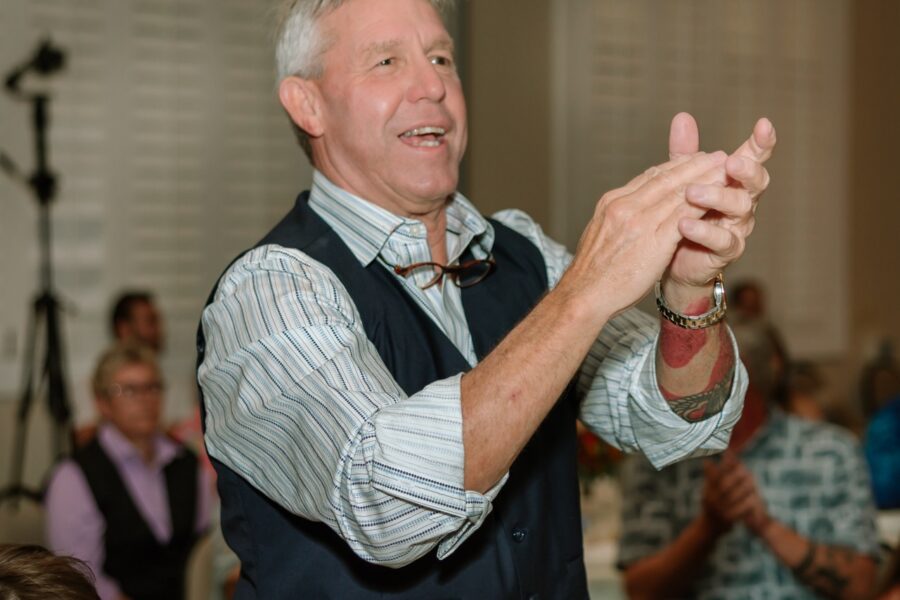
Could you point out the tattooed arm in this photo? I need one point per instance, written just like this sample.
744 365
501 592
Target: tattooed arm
831 571
695 368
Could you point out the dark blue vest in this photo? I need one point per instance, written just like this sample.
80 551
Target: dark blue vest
143 568
530 546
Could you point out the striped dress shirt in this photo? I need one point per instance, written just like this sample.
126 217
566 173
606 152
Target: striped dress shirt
300 404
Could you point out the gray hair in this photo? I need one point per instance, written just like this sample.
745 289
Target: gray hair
299 44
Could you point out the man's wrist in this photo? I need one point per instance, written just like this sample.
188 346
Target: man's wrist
688 299
584 308
711 527
699 313
761 525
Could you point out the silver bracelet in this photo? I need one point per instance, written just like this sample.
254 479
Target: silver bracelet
707 319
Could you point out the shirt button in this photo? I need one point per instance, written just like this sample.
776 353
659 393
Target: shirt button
519 534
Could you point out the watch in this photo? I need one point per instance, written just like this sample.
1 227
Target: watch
707 319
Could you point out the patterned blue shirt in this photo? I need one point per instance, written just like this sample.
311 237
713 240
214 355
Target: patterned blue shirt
300 404
813 479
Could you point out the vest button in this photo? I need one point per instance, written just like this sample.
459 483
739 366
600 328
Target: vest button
519 534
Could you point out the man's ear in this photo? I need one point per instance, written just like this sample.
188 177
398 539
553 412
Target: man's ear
301 99
103 407
123 330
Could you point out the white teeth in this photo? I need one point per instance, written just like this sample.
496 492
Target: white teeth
425 131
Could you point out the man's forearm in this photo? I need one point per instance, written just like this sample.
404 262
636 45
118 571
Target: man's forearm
667 573
832 571
695 367
506 397
628 241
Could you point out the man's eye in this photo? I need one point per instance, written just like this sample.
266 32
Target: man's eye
385 62
443 61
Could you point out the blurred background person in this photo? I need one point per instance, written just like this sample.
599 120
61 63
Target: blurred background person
747 304
880 395
786 513
747 300
803 385
132 502
34 573
136 318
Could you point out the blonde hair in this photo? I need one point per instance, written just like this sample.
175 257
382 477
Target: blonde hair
120 355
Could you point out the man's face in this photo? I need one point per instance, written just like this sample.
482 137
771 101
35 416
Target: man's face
133 401
750 302
143 325
392 107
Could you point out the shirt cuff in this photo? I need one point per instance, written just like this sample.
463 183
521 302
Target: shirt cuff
420 458
478 507
663 436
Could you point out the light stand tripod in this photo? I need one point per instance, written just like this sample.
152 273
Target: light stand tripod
46 376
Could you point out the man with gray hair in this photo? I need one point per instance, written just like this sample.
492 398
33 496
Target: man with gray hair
392 380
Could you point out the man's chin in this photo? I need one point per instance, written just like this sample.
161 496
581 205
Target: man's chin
437 188
436 195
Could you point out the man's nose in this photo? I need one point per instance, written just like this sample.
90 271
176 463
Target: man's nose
426 82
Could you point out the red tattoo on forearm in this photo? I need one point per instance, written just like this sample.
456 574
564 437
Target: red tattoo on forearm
710 401
679 346
724 361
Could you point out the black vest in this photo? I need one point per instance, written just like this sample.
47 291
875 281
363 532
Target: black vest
530 545
143 568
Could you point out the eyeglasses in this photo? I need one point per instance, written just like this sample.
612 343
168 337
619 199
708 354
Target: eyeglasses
133 390
463 275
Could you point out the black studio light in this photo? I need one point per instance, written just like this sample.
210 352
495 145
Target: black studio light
44 374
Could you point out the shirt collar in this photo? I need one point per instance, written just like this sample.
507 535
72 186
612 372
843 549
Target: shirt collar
367 228
121 450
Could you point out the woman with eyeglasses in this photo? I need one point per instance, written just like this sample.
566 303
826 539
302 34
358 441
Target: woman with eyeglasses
132 502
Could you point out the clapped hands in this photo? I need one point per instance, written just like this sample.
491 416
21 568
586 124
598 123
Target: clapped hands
731 496
715 233
681 222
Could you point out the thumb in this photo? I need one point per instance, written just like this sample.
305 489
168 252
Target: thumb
760 144
684 136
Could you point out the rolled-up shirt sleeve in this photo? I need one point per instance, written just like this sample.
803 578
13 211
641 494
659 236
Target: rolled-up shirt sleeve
620 397
622 402
300 404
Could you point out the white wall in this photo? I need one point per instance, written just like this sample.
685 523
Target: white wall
623 68
172 155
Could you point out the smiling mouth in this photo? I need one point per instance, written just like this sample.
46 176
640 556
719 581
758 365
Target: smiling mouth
424 137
